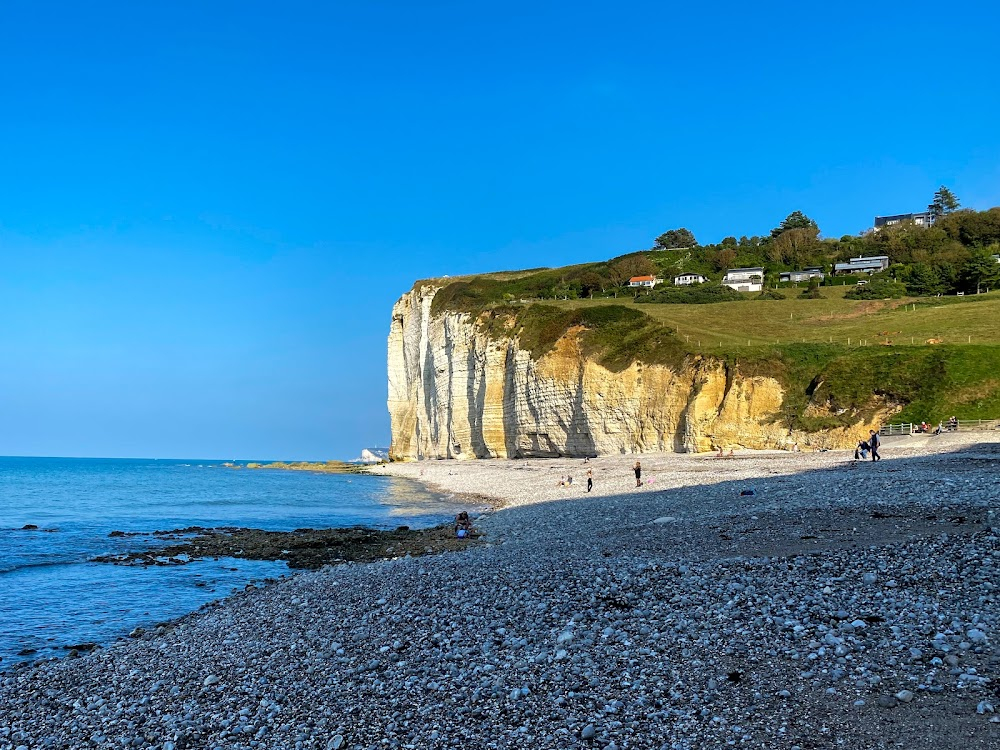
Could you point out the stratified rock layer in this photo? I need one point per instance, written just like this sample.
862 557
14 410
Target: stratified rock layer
457 392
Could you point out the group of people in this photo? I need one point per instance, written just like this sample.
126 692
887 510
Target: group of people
567 481
871 445
952 426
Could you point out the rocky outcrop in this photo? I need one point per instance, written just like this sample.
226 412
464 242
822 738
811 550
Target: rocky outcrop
457 391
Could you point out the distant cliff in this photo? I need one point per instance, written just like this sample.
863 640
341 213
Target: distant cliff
468 385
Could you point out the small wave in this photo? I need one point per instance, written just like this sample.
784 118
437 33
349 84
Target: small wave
43 564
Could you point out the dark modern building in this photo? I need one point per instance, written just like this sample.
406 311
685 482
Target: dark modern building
924 219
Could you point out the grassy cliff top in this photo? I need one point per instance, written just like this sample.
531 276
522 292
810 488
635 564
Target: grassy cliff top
837 358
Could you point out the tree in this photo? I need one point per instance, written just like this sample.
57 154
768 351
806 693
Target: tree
591 282
972 228
944 203
877 289
812 291
673 238
980 270
794 247
923 280
722 258
795 220
631 265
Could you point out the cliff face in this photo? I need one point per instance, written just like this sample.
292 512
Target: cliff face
456 392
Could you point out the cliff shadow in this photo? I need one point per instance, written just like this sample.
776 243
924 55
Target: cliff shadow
840 506
882 536
475 393
578 441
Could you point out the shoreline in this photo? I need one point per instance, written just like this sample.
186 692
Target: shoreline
226 546
842 604
301 549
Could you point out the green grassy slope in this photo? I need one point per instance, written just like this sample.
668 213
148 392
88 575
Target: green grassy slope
830 320
839 359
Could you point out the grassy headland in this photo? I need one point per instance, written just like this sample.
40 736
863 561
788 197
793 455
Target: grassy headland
838 356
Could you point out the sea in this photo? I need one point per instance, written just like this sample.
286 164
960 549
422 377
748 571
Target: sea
52 597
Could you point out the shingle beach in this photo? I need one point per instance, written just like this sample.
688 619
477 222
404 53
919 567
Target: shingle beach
769 600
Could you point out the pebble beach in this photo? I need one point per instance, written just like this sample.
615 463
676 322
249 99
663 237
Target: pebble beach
768 600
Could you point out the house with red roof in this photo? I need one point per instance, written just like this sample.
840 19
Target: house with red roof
645 282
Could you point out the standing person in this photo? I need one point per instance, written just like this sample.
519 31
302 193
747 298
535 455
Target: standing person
590 479
874 442
638 474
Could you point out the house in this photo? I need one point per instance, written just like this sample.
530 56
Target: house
870 265
924 219
646 282
686 279
744 279
803 275
997 258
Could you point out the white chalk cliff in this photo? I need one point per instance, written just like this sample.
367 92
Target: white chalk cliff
456 392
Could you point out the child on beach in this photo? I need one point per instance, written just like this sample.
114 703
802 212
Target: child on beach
463 525
638 474
590 480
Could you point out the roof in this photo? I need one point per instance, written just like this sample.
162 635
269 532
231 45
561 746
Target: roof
642 278
857 264
744 270
682 275
883 220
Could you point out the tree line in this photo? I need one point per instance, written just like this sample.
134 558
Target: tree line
954 254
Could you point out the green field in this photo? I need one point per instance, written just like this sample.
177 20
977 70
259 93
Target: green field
833 320
840 360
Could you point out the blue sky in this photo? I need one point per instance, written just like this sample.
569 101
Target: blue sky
207 209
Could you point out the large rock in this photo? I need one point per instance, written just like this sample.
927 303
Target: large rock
457 391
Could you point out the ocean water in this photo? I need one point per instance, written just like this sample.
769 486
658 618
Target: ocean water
52 597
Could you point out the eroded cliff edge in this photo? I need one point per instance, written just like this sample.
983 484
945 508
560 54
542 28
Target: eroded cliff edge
463 387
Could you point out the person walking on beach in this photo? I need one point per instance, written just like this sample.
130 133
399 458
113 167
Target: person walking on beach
638 474
874 443
590 479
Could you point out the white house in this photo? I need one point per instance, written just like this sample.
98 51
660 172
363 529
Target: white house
646 282
744 279
689 278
